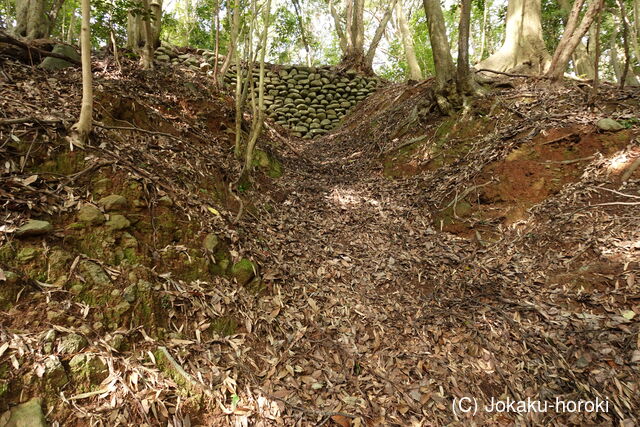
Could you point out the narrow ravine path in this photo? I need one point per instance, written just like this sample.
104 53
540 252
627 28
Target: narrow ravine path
384 317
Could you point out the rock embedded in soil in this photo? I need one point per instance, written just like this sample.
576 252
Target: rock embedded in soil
54 64
91 215
28 414
609 125
113 202
71 344
117 222
34 227
243 271
94 274
88 367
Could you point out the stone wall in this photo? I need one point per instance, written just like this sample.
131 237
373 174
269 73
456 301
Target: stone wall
311 100
307 100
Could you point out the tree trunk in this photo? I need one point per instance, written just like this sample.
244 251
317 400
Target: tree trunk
483 37
156 23
342 38
31 20
523 49
582 62
571 37
296 6
80 130
371 52
623 77
352 37
216 43
234 19
445 70
72 26
146 59
407 41
258 112
463 79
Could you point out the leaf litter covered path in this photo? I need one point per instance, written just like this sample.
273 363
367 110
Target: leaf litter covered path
390 320
370 315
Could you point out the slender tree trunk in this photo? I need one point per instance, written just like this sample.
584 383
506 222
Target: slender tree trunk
233 43
371 52
146 59
445 70
72 26
296 6
596 62
259 111
483 37
81 129
407 41
342 38
582 62
216 47
571 37
523 49
235 30
627 53
463 78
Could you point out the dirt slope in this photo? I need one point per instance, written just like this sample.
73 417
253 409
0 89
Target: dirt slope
401 262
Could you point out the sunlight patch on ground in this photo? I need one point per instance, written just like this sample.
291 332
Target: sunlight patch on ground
349 199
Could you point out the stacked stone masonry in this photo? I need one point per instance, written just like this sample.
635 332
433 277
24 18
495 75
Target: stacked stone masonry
309 101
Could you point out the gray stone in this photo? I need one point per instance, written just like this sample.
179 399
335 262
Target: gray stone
113 202
34 227
609 124
72 343
91 215
53 64
94 274
28 414
117 222
54 373
88 367
163 58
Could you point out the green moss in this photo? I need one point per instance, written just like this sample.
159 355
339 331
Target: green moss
7 253
243 271
66 163
269 164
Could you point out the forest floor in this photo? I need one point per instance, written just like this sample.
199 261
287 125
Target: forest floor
401 263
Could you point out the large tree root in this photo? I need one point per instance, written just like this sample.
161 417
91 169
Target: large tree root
30 48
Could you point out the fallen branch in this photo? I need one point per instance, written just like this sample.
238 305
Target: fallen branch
22 120
567 162
6 38
135 129
486 70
